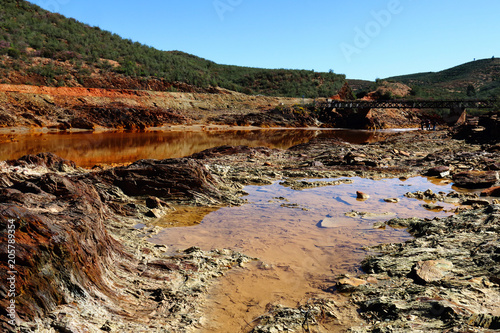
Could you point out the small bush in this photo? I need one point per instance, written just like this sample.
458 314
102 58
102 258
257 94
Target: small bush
11 52
49 71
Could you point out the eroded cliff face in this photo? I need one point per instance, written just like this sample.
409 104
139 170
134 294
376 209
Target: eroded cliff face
87 108
92 108
80 266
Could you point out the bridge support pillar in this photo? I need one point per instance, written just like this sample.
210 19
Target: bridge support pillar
365 112
457 116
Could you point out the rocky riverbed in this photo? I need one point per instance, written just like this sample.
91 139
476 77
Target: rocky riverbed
83 266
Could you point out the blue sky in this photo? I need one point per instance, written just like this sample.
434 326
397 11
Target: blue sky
364 39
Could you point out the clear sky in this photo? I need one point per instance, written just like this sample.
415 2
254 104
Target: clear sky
364 39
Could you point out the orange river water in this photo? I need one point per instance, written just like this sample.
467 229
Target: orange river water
120 147
297 258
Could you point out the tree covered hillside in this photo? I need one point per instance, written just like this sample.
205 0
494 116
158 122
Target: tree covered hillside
39 47
476 79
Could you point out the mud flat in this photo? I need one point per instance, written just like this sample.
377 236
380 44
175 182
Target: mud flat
446 279
83 264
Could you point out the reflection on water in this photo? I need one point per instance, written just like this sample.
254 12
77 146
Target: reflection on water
298 258
89 149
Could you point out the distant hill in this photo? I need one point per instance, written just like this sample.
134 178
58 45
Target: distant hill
42 48
361 85
480 79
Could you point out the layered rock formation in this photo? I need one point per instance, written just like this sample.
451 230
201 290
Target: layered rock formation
85 108
79 264
482 129
445 279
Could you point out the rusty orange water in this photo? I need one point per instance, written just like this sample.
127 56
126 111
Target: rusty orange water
298 259
89 149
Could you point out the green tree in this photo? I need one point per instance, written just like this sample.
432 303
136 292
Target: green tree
471 91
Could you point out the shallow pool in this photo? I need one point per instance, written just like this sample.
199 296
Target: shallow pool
298 257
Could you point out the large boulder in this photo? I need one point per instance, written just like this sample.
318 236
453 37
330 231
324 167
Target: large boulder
476 179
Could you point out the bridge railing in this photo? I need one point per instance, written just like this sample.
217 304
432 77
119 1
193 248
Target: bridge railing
411 104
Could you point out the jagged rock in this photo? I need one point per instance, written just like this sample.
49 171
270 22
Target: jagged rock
154 202
330 223
431 275
47 160
493 167
383 306
81 123
354 158
475 179
479 202
439 171
432 270
349 283
401 223
60 249
491 192
485 320
230 150
181 180
429 195
354 213
452 197
303 184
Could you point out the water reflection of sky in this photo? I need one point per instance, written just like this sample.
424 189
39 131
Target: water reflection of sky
88 149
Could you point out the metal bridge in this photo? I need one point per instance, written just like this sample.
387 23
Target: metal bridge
411 104
457 114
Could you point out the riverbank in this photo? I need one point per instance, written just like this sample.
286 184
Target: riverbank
77 108
83 266
112 148
64 108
